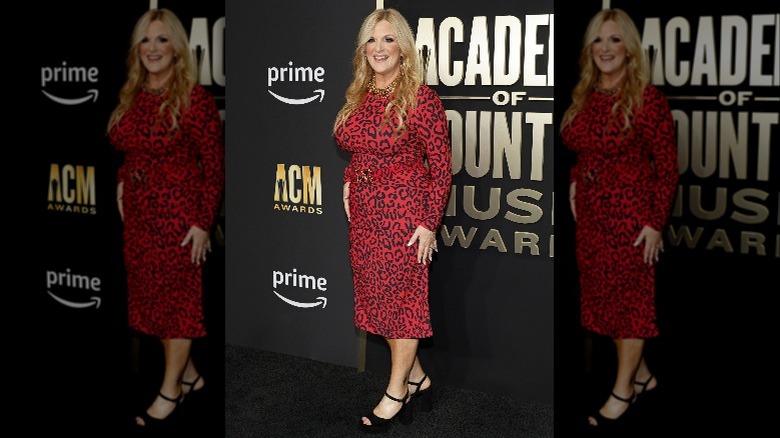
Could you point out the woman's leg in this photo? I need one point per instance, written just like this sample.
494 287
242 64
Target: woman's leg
416 375
402 354
177 354
646 379
629 355
191 379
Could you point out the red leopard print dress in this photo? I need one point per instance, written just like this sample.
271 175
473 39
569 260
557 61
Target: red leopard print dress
170 184
391 192
622 184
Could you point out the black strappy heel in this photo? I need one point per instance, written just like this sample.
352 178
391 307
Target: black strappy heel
192 391
424 396
602 421
379 424
152 422
643 385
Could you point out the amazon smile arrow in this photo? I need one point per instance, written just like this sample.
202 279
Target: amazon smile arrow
317 92
92 94
94 301
320 300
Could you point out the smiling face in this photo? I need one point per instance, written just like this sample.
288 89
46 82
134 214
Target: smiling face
157 54
609 53
384 53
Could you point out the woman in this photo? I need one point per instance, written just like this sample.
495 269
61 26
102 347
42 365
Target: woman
170 186
621 191
395 189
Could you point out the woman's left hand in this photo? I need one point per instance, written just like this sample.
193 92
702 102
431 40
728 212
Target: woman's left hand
345 195
654 244
120 192
201 244
426 244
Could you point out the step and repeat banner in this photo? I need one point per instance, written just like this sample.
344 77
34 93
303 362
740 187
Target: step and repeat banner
81 283
288 279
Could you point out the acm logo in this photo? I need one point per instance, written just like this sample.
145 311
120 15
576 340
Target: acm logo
298 189
72 189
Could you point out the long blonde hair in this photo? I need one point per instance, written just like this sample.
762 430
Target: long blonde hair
185 74
637 75
405 96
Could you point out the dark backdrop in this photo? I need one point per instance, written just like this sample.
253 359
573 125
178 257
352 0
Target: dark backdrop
712 291
93 372
491 284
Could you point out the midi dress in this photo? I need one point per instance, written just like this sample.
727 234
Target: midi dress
623 182
396 184
171 182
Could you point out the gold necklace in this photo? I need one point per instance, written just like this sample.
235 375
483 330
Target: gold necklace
609 92
154 91
384 92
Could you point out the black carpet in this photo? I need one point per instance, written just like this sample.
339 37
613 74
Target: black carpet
276 395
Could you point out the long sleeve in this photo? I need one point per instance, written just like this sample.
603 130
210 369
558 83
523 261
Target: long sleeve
207 134
433 132
121 174
662 143
118 140
574 173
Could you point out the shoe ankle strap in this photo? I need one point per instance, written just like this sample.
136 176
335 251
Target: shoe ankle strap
628 400
645 383
172 400
191 384
403 400
419 384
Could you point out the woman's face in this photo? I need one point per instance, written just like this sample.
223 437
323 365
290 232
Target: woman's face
156 51
609 50
384 53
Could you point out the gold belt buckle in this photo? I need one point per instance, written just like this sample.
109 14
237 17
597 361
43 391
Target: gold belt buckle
364 175
589 175
138 175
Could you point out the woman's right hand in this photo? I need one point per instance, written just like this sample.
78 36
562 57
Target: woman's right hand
346 199
654 244
572 205
120 191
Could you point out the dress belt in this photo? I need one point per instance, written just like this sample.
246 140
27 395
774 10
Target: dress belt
364 174
141 171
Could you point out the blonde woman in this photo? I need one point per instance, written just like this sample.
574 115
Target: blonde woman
621 192
395 189
169 188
